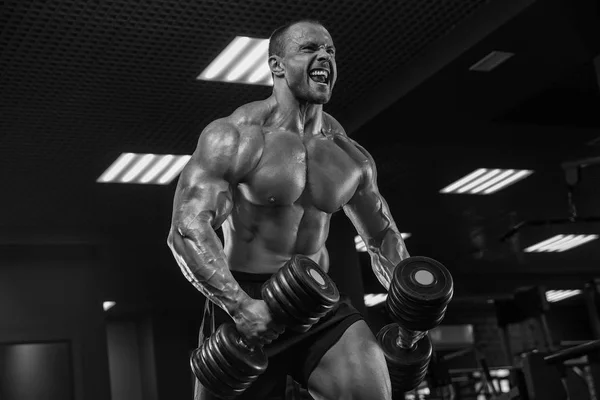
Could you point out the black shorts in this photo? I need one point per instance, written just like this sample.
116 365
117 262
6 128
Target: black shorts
291 354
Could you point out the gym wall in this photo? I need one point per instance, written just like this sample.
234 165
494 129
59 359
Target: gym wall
49 293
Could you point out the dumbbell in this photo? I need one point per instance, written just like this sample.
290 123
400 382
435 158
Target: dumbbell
297 295
419 293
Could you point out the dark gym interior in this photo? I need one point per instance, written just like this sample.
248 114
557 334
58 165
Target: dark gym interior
84 81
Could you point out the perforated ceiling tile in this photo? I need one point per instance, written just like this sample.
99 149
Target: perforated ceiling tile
82 79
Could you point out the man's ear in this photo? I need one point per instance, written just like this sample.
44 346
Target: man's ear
276 65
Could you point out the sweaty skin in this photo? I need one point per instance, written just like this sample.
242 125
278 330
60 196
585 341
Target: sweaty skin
271 175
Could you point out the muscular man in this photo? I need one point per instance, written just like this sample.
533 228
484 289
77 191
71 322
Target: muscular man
271 175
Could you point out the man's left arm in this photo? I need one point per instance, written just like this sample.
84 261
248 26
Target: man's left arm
369 213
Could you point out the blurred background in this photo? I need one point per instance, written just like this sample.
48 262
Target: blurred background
92 304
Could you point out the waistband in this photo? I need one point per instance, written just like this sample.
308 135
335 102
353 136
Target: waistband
242 276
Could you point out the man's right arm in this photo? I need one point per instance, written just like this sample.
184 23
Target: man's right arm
203 200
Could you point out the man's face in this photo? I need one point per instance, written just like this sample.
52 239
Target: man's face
309 60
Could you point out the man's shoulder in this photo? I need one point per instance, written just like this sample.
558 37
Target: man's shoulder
235 137
245 123
250 117
246 118
332 126
351 146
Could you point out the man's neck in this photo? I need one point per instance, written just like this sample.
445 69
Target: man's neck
290 114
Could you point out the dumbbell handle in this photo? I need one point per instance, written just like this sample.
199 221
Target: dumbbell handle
241 341
407 339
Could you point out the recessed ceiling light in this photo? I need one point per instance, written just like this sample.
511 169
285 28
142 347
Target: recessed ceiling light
486 181
157 169
491 61
560 243
372 299
552 296
244 60
360 244
107 305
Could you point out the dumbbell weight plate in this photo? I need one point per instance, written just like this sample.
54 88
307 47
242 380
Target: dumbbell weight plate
407 367
207 383
311 302
417 303
198 367
274 298
312 279
423 279
403 384
271 297
292 295
299 298
224 365
410 319
299 294
407 380
413 312
208 379
227 364
222 374
284 298
249 361
401 357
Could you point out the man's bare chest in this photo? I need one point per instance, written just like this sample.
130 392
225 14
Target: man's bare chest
323 171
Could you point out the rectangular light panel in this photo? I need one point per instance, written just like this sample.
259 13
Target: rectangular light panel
146 169
560 243
372 299
486 181
452 335
360 244
552 296
244 60
491 61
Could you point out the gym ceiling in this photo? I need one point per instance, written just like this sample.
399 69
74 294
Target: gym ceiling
83 81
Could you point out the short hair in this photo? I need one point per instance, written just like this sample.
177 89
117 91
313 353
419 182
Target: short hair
277 38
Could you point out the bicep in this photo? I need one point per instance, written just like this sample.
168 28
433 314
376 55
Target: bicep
369 212
201 197
367 209
204 191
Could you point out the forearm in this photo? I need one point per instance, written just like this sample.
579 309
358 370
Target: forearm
386 254
200 256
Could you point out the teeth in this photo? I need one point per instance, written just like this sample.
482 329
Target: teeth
319 72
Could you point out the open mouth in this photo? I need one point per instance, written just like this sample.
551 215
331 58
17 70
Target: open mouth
320 76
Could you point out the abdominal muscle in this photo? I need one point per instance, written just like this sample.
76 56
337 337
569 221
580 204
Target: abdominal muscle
261 239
